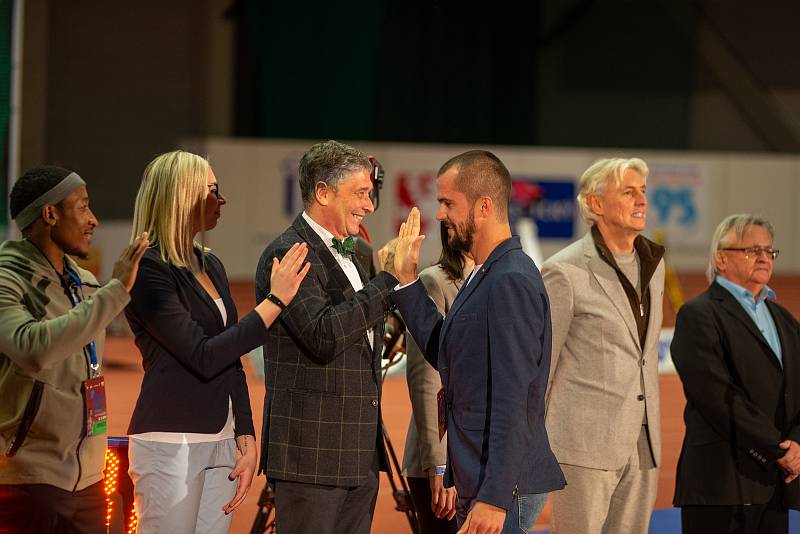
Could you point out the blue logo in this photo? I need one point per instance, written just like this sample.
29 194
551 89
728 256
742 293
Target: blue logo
674 204
553 210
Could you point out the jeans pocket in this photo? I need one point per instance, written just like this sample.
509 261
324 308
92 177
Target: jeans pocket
528 507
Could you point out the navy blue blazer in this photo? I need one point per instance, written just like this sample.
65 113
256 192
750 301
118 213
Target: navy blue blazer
493 353
190 358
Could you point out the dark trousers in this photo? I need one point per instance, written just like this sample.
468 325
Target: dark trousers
45 509
301 508
770 518
428 522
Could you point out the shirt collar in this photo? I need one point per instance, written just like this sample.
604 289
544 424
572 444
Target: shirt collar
739 291
323 234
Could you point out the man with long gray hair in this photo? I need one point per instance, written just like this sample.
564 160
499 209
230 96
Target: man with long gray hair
602 400
738 355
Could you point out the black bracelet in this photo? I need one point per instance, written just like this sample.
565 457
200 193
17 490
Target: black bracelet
276 301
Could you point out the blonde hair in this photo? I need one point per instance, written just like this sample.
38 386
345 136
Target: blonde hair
596 177
173 186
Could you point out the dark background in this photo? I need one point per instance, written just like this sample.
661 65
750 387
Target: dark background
107 86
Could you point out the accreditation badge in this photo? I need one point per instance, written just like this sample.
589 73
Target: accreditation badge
94 396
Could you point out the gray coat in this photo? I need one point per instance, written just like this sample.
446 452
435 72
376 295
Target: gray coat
598 372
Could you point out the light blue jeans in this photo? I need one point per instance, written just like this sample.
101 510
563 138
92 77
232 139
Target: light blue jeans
520 517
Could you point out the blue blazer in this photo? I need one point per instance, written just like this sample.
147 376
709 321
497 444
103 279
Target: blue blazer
493 354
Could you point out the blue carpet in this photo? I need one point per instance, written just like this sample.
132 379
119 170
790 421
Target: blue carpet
668 521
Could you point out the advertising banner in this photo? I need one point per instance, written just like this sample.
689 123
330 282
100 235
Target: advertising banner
677 195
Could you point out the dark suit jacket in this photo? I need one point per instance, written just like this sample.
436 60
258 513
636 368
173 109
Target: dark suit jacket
740 402
191 360
322 407
493 353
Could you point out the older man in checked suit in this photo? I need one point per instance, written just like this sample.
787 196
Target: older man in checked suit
602 400
322 445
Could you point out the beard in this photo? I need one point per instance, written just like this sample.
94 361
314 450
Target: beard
463 236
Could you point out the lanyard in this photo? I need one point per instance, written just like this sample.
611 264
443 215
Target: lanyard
73 286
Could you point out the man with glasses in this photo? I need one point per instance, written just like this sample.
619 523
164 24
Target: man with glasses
738 355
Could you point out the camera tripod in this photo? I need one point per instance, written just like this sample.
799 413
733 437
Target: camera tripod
393 352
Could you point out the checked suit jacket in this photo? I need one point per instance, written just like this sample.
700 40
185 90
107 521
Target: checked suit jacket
322 406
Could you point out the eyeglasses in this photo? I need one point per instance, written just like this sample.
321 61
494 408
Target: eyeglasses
755 252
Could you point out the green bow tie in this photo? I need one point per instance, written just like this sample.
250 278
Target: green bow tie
346 248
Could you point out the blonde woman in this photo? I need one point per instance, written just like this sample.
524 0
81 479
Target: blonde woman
192 447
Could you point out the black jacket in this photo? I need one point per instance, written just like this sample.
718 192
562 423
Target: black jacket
190 359
322 408
740 402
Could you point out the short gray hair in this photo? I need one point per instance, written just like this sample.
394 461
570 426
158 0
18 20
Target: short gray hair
738 222
594 180
329 162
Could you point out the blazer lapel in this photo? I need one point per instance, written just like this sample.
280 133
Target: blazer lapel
653 329
190 280
787 354
461 297
336 272
607 277
364 280
732 306
361 273
325 256
468 288
224 293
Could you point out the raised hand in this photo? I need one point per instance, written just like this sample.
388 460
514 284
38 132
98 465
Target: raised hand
289 272
409 241
127 265
386 257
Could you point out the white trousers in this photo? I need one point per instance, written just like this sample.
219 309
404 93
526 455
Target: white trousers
181 488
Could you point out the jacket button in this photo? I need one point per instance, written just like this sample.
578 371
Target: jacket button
373 402
640 397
